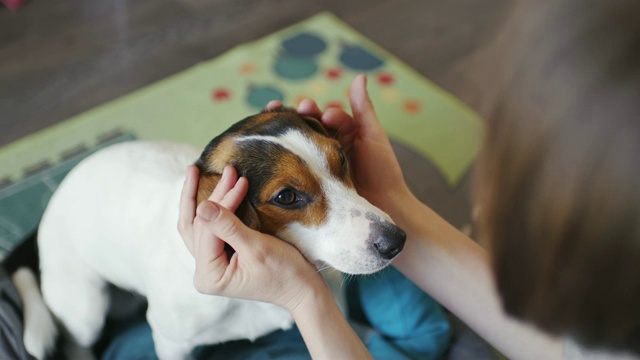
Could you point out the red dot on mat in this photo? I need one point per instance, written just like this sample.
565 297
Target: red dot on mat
220 94
334 73
386 79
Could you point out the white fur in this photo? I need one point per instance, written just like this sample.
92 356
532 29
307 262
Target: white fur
37 316
114 219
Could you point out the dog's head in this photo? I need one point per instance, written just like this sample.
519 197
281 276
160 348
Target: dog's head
300 190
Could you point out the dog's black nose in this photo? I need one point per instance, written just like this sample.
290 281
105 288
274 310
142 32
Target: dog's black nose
388 239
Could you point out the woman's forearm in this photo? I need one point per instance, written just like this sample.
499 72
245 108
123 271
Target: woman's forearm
324 329
455 270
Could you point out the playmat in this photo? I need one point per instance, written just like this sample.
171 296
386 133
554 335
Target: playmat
317 58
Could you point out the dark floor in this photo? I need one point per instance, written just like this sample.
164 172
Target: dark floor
59 58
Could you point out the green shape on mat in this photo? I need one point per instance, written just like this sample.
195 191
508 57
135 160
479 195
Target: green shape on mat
195 105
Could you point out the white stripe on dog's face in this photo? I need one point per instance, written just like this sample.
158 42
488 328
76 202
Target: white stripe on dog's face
349 238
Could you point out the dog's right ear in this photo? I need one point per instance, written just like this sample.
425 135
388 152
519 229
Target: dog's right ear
245 211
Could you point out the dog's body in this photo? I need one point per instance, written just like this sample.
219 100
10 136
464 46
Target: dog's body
113 220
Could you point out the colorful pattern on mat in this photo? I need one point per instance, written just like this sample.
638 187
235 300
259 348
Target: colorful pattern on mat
317 58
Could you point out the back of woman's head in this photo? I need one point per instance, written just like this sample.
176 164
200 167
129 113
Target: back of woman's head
559 175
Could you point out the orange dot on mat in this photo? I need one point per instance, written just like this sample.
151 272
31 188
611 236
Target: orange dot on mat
412 106
248 68
220 94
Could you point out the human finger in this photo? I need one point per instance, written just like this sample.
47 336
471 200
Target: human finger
273 104
223 224
363 113
187 208
310 108
226 183
234 197
338 119
209 246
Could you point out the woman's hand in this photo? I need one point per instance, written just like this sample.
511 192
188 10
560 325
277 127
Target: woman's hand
262 268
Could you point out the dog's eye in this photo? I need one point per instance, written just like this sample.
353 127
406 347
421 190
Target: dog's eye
286 197
291 199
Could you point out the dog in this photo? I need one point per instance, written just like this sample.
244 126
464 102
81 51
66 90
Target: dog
113 221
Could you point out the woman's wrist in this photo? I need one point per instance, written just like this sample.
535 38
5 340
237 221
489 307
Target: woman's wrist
306 287
407 211
310 291
324 328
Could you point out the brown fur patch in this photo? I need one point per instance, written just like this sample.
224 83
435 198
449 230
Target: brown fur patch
331 148
291 172
206 184
222 155
294 174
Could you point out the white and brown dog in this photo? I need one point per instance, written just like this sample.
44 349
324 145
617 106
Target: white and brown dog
113 220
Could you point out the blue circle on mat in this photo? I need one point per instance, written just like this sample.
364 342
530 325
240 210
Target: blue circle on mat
358 58
304 45
295 68
259 96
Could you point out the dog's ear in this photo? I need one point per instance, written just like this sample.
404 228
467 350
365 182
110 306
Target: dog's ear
206 184
245 211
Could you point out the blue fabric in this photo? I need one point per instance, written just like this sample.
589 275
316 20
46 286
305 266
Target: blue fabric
136 343
408 323
133 342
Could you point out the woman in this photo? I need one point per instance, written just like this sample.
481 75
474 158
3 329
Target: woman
557 190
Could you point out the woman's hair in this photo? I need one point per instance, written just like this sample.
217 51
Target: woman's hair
559 174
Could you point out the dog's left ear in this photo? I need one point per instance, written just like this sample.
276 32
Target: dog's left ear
245 211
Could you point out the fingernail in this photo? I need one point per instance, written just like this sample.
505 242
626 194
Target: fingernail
304 104
208 210
225 171
187 177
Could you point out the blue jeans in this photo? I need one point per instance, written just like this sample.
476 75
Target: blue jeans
406 323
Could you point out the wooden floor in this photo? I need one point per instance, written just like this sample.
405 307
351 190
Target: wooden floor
59 58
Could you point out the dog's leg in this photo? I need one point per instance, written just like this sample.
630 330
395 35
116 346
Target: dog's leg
171 350
78 298
167 348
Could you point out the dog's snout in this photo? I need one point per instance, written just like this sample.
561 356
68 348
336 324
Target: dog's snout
388 240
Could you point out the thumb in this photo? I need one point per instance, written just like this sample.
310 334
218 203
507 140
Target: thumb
225 225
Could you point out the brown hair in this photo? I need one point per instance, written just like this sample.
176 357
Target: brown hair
559 175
